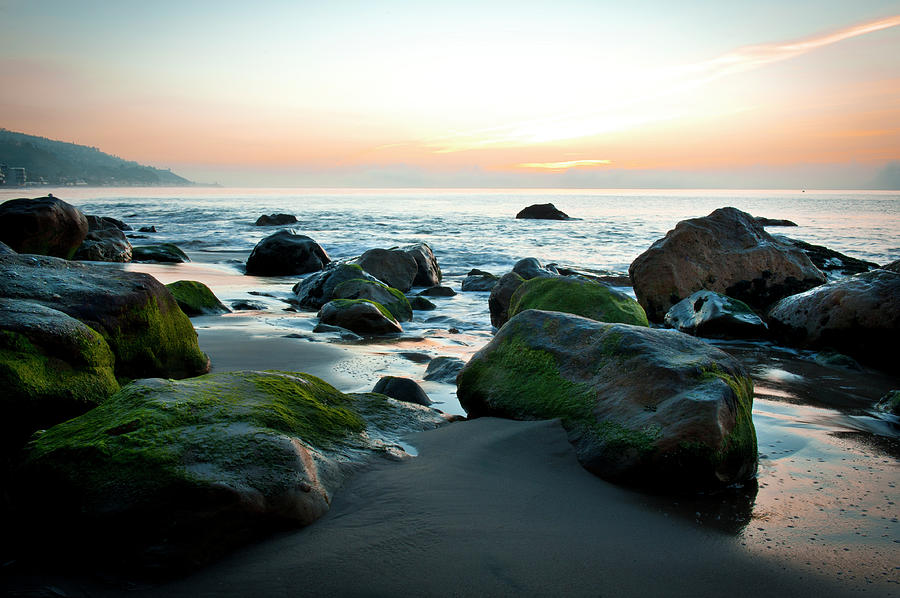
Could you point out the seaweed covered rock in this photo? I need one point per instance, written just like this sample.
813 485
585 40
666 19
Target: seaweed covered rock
479 280
394 267
542 211
498 302
650 407
714 315
104 242
284 253
275 220
391 299
174 473
578 296
195 298
52 368
316 290
857 315
43 226
166 253
359 315
133 312
428 272
402 389
727 252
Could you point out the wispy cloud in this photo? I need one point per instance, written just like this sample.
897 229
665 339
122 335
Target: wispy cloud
564 165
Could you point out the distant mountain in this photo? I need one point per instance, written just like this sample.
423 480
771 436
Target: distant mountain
61 163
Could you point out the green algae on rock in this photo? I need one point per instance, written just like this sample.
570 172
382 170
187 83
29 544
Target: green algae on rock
390 298
654 408
578 296
195 298
164 252
359 315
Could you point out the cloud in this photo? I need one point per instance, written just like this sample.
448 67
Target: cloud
564 165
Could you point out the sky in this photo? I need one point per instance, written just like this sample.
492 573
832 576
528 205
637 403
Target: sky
393 93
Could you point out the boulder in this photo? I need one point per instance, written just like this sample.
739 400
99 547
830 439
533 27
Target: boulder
102 222
498 302
437 291
105 242
148 229
284 253
727 252
542 211
444 369
857 315
318 289
43 226
530 267
275 220
195 299
135 314
428 273
890 402
172 474
713 315
578 296
244 305
359 315
763 221
893 266
478 280
651 407
394 267
52 368
421 304
834 264
402 389
392 299
167 253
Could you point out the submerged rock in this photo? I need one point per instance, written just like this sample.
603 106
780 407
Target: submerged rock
651 407
421 304
727 252
444 369
195 299
478 280
437 291
317 289
286 252
391 299
578 296
167 253
275 220
394 267
42 226
498 302
402 389
428 272
763 221
713 315
359 315
542 211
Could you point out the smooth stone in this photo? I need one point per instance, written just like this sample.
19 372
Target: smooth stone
713 315
437 291
286 252
168 253
360 316
498 302
42 226
275 220
542 211
444 369
195 298
402 389
394 267
578 296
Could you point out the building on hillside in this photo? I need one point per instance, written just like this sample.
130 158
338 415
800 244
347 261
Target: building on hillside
12 176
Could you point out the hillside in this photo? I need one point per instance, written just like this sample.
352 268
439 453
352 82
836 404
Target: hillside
61 163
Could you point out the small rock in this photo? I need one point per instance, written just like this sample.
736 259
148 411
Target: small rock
402 389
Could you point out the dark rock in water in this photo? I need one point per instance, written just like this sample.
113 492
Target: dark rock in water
727 252
135 314
713 315
360 316
345 334
542 211
530 267
478 280
837 360
428 272
650 407
498 302
421 304
890 402
104 222
832 263
167 253
317 289
195 299
858 315
394 267
137 237
52 368
42 226
242 305
578 296
169 475
392 299
438 291
286 252
6 249
415 356
892 267
763 221
402 389
444 369
275 220
148 229
105 242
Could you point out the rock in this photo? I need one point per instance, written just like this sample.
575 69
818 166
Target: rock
148 229
52 368
890 402
651 407
542 211
498 302
167 253
135 314
837 360
437 291
360 316
444 369
858 315
318 289
763 221
394 267
275 220
195 299
392 299
6 249
893 266
713 315
727 252
402 389
578 296
286 252
834 264
172 474
478 280
42 226
421 304
104 242
242 305
530 267
104 222
428 273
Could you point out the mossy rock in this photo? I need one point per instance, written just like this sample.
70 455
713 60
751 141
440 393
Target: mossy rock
648 407
317 289
361 316
195 299
578 296
164 252
390 298
174 473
